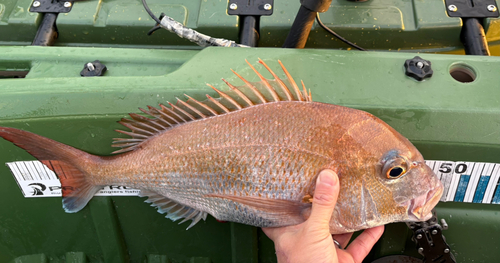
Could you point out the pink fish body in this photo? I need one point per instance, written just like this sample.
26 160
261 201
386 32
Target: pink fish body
252 156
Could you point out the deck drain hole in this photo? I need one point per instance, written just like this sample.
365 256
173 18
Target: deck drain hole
462 73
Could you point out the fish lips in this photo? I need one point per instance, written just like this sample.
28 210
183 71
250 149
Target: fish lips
420 208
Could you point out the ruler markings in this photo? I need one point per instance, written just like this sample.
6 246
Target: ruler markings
17 175
26 175
496 197
462 187
37 170
481 187
437 164
474 178
32 172
482 183
463 177
496 194
455 182
15 171
51 173
492 184
41 169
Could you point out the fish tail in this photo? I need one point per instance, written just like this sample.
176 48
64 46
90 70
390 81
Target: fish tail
67 162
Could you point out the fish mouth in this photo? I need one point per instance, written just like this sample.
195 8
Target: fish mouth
420 208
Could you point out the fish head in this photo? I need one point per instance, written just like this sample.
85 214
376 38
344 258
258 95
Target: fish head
384 179
412 184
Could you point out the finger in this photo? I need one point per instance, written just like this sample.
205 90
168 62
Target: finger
325 198
275 232
271 232
361 246
343 239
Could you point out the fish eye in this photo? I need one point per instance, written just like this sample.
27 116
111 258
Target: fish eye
395 172
395 167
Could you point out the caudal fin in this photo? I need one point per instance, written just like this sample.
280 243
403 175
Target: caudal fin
67 162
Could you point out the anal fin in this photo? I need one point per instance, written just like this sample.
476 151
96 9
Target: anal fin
174 210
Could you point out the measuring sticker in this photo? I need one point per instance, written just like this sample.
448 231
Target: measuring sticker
37 180
469 182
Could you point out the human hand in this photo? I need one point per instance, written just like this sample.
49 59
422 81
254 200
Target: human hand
311 241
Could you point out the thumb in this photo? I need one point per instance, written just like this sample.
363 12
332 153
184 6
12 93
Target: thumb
325 198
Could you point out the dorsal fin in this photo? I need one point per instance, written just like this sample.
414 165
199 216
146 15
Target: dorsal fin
237 98
174 210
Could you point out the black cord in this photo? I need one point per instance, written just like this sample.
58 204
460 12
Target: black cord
152 30
149 12
337 35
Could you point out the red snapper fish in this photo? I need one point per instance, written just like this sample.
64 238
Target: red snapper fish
252 156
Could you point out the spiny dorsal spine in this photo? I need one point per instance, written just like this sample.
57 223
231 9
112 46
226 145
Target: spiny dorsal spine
165 118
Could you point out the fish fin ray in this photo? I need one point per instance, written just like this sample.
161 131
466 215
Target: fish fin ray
267 90
252 88
190 107
174 210
274 207
236 98
292 82
76 189
201 106
64 160
239 93
264 81
282 85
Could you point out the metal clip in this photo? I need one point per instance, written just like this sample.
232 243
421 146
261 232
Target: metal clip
430 240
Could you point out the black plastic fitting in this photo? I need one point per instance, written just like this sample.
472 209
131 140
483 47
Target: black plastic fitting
93 69
418 68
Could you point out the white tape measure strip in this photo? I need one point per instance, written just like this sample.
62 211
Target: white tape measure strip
470 182
37 180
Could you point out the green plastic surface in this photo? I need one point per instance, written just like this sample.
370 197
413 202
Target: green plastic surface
417 25
446 119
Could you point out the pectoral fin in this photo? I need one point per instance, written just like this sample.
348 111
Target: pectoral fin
273 207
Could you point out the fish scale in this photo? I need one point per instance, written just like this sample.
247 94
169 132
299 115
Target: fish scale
252 156
263 158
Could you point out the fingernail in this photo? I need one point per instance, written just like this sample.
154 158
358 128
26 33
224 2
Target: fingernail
327 178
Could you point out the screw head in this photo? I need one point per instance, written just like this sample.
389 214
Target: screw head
268 7
233 6
434 231
452 8
67 4
446 250
419 236
420 65
90 66
491 8
93 69
36 4
420 249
